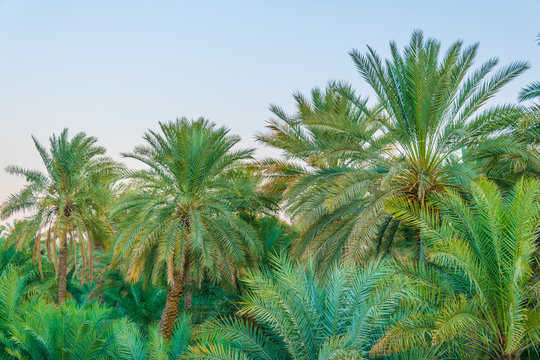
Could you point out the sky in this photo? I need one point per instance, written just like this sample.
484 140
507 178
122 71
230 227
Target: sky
114 69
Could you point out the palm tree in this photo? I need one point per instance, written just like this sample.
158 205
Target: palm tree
66 204
276 237
180 219
428 132
18 287
289 313
140 303
527 129
30 328
488 246
23 264
45 332
132 344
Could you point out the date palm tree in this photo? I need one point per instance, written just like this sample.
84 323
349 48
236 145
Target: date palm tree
180 219
141 303
19 285
528 129
133 344
488 245
66 204
429 131
45 332
290 313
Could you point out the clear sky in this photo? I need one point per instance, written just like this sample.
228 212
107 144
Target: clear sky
115 68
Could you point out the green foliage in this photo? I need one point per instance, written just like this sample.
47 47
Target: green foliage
406 229
276 238
141 304
290 313
490 244
530 92
430 131
135 345
66 202
182 211
46 332
23 263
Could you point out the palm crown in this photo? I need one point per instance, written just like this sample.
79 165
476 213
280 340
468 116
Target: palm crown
290 313
67 202
181 219
429 131
488 246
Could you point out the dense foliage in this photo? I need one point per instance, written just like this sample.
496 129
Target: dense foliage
403 229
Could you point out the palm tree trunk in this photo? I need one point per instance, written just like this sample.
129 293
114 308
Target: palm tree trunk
62 269
187 283
168 316
509 357
421 240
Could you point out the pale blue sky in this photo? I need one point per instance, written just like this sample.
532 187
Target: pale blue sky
116 68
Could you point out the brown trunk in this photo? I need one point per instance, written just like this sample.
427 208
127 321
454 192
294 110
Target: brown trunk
62 269
509 357
168 316
187 283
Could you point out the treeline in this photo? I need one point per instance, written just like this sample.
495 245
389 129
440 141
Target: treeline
407 229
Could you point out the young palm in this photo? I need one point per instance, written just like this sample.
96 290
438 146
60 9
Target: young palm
289 313
45 332
276 238
66 202
180 219
141 303
132 344
19 286
489 246
429 130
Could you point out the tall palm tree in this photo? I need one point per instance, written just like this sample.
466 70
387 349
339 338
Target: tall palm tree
66 204
180 218
489 245
428 132
290 313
